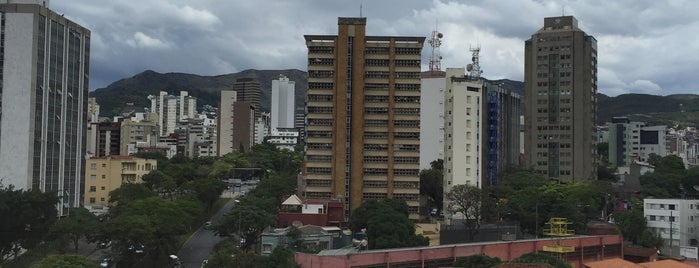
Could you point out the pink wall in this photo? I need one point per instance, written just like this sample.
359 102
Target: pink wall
506 251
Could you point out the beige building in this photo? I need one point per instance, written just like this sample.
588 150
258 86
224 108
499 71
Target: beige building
105 174
560 80
363 117
133 132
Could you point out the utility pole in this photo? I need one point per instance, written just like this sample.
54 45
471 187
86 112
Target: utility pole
672 252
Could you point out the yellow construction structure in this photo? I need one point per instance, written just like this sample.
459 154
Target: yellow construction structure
558 227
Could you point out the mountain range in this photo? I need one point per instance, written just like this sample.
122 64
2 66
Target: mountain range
131 94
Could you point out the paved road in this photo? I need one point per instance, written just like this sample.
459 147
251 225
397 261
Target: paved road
198 247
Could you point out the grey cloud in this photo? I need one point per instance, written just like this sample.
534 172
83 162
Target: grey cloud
638 41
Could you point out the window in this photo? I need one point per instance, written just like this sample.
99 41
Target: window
104 176
671 207
93 176
102 199
93 166
266 248
104 165
652 218
103 188
92 200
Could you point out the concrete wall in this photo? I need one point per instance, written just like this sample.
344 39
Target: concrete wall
588 248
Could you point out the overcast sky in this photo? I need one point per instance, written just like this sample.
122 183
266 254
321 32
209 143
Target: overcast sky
643 46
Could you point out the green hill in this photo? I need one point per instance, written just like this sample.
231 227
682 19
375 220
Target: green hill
132 93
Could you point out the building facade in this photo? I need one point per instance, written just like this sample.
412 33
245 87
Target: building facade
249 91
171 109
501 146
674 220
106 174
634 141
560 80
43 100
432 119
283 92
236 124
363 117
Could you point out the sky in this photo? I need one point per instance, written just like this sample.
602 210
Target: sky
643 46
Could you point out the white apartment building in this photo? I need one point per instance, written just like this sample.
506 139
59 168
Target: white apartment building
676 221
171 109
283 93
431 120
462 132
284 138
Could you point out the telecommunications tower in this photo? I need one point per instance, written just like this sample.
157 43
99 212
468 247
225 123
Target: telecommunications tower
435 59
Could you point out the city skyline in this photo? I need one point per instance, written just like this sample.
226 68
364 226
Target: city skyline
645 48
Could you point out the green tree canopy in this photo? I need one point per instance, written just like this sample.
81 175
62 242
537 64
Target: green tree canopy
387 224
246 220
206 190
66 261
80 223
152 222
27 216
541 258
431 184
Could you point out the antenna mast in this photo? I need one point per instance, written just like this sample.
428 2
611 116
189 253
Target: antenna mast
474 68
435 59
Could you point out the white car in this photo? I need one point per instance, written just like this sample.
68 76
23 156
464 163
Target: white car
104 262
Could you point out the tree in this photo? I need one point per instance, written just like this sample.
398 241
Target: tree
467 200
477 261
152 222
431 184
206 190
541 258
246 220
129 192
65 261
80 223
27 216
631 224
282 257
387 224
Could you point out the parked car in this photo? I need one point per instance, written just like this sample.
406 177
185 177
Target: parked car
105 262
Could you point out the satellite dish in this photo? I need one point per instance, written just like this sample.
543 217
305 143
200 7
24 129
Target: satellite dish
469 67
440 35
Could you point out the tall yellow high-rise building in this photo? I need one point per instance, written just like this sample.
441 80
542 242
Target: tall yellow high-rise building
363 117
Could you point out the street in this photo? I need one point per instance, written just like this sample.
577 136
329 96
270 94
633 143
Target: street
198 247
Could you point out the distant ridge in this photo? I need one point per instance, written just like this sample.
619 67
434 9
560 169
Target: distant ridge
682 109
135 90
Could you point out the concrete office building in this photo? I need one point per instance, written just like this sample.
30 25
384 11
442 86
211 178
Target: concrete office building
43 100
236 124
560 80
634 141
501 146
249 91
432 119
134 131
363 117
283 92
